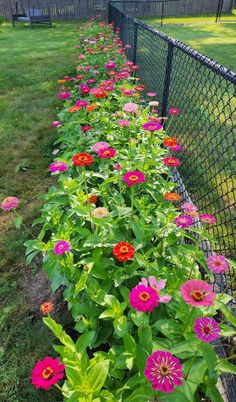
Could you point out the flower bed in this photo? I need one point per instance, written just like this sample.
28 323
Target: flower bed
112 236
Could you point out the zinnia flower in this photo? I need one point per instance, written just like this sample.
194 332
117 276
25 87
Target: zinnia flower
207 329
207 218
198 293
143 298
47 372
157 286
82 159
58 167
110 65
183 221
123 251
64 95
164 371
99 146
81 103
100 212
217 264
133 177
130 107
61 247
172 196
92 199
124 123
151 94
152 126
189 207
169 142
174 111
86 128
10 203
171 161
176 148
56 124
46 307
107 153
117 166
153 103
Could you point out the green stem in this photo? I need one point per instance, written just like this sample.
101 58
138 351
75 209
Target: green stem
230 357
60 389
86 191
227 287
191 363
197 245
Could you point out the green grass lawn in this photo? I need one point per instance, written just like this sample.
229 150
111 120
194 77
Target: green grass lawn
217 41
31 62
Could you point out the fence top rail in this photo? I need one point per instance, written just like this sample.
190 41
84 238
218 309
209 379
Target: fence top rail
210 63
142 1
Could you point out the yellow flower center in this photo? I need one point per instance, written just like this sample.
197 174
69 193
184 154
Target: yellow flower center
133 177
198 295
144 296
47 373
164 370
61 246
124 249
82 158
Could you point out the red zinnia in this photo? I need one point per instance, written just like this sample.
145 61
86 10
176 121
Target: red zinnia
92 199
82 159
170 142
123 251
171 161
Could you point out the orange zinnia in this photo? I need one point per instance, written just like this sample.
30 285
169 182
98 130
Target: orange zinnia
82 159
172 196
60 82
46 307
123 251
170 142
91 107
74 109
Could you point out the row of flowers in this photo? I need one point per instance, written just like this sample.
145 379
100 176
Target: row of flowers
112 236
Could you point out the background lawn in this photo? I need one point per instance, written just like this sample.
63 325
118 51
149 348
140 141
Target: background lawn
31 62
217 41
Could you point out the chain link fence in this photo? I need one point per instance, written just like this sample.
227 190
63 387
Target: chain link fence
205 92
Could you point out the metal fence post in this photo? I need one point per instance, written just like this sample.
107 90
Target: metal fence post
109 12
167 78
162 12
135 42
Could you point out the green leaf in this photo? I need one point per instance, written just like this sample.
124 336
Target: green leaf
210 358
129 343
170 328
213 393
140 318
224 366
120 326
18 222
227 313
97 375
60 333
145 338
142 394
85 340
186 348
226 330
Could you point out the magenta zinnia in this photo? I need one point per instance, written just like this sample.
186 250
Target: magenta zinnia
58 167
143 298
152 126
47 372
217 264
198 293
107 153
61 247
207 329
183 221
169 161
164 371
133 177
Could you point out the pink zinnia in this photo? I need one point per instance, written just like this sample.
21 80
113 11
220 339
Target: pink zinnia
217 264
47 372
86 128
183 221
110 65
189 207
58 167
10 203
99 146
174 111
164 371
133 177
198 293
56 124
156 285
152 126
151 94
124 123
64 95
169 161
107 153
130 107
81 103
143 298
207 218
61 247
207 329
117 166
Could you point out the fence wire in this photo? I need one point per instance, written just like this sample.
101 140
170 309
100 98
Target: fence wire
205 92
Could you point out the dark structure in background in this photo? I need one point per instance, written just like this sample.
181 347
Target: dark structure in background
91 8
31 15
